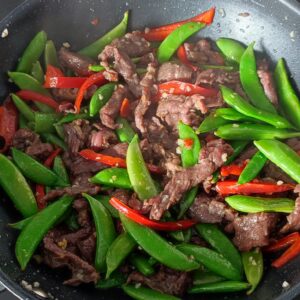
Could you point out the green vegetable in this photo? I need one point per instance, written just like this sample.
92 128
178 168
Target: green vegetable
60 170
232 49
182 236
55 140
43 122
238 148
37 72
96 68
211 123
20 225
22 122
187 201
220 287
23 108
105 201
50 55
204 276
124 132
71 221
233 115
141 264
115 280
68 118
217 67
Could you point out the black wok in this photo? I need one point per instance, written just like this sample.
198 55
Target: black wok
274 24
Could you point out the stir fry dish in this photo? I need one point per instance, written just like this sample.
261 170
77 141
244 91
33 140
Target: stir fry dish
152 163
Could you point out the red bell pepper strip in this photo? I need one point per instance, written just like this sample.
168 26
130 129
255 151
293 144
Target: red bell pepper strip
288 255
64 82
232 169
125 108
160 33
185 88
113 161
97 78
232 187
8 124
181 54
140 219
54 72
30 95
283 243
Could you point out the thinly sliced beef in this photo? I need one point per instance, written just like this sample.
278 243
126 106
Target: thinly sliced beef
83 211
294 143
101 138
270 170
117 150
70 94
253 230
87 247
165 280
172 71
78 63
212 156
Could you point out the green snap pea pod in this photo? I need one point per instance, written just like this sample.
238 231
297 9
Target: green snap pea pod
204 276
254 267
50 54
116 280
121 247
20 225
139 176
253 167
152 261
237 102
114 177
96 47
141 264
251 83
32 234
59 129
216 67
187 201
238 147
232 49
71 221
282 156
55 140
105 201
233 115
20 193
96 68
37 72
143 293
183 236
221 243
43 122
60 169
189 154
105 231
33 52
220 287
177 37
23 108
34 170
159 248
72 117
124 132
211 123
100 97
249 204
22 121
248 131
212 260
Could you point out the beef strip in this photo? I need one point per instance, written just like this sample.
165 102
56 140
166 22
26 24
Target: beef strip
174 71
70 94
87 247
117 150
212 156
253 230
165 280
101 138
83 211
78 63
270 170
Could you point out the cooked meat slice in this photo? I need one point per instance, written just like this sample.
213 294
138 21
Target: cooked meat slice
87 247
270 170
65 94
253 230
146 59
172 71
165 280
117 150
212 156
122 195
110 110
78 63
101 138
294 143
266 79
83 211
246 154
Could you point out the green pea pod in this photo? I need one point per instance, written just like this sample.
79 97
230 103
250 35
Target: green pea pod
253 167
233 115
211 123
117 279
20 225
232 49
20 193
248 132
72 117
212 260
124 132
59 129
249 204
220 287
105 201
204 276
177 37
251 83
105 231
37 72
114 177
60 170
237 102
142 293
100 97
23 108
50 54
96 47
22 122
32 234
121 247
71 221
217 67
238 147
189 155
55 140
281 155
139 176
34 170
187 201
33 52
221 243
182 236
141 264
43 122
254 267
96 68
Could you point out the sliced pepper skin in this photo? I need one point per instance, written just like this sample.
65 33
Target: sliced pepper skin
282 243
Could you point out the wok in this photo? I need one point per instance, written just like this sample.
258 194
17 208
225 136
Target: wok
273 24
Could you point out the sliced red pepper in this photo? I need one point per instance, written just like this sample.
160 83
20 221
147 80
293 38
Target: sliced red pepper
232 169
113 161
64 82
8 124
125 108
232 187
188 143
138 218
185 88
96 78
181 54
288 255
33 96
54 72
160 33
282 243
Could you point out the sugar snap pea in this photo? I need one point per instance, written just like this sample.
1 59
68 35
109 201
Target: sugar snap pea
211 123
22 122
116 280
37 72
124 132
23 108
50 54
187 201
238 146
141 264
43 122
54 139
20 225
220 287
105 201
232 49
60 169
233 115
204 276
72 117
